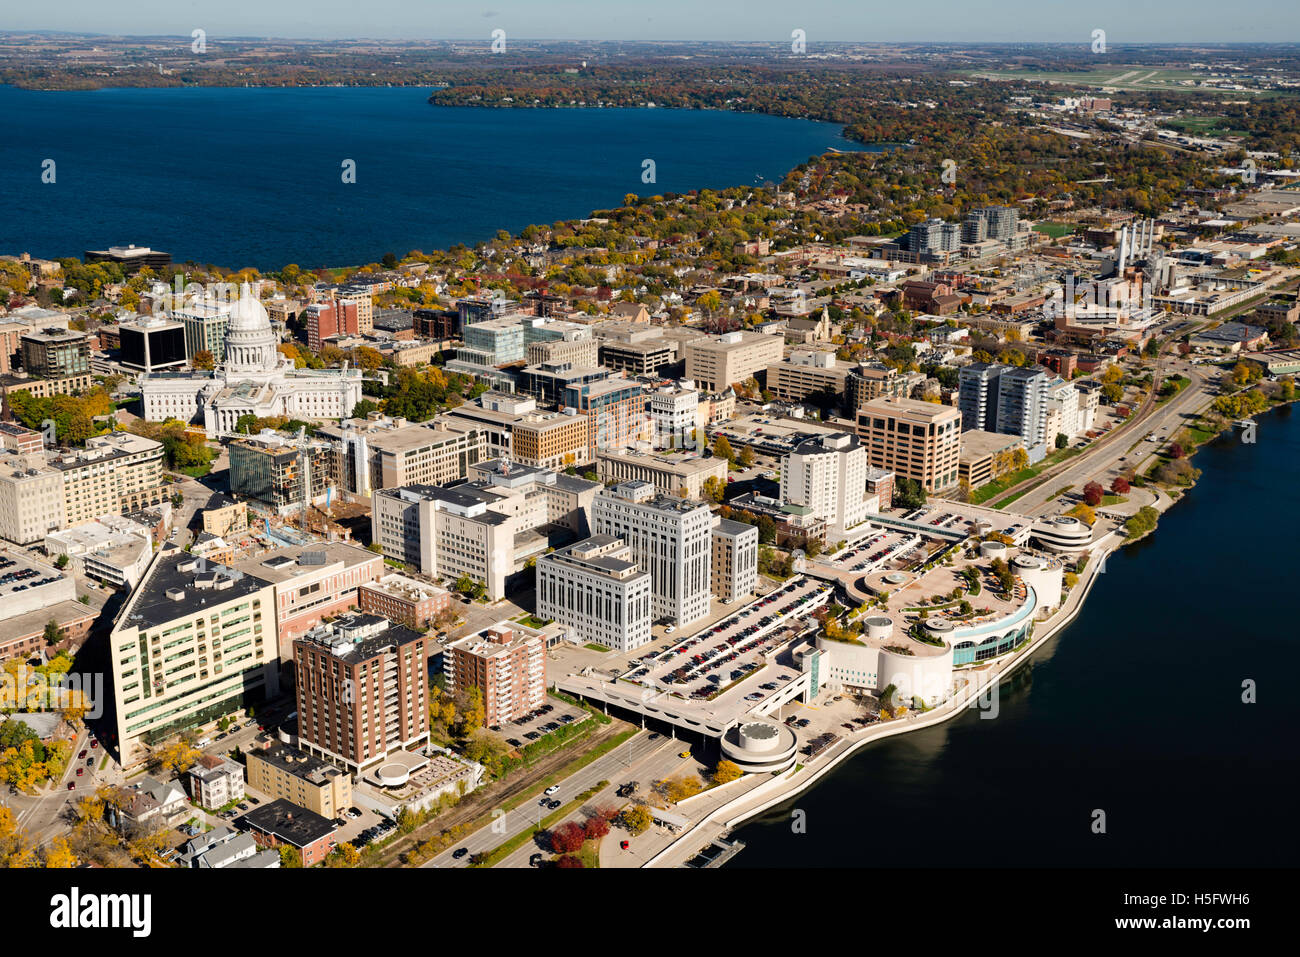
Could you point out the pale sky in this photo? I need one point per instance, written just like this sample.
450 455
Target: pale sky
1125 21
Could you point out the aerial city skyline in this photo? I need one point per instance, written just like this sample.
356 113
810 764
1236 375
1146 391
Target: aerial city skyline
621 437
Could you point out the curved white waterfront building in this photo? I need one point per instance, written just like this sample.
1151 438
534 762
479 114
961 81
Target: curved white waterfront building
254 378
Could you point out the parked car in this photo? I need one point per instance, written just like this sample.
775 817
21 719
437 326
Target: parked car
552 789
623 844
553 805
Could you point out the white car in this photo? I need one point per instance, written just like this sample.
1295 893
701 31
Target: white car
552 789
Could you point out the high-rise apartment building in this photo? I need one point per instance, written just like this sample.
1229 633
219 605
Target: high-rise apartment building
669 537
977 395
828 476
361 689
1022 406
915 440
596 590
506 663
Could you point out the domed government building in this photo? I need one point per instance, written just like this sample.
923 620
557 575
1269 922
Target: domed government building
253 378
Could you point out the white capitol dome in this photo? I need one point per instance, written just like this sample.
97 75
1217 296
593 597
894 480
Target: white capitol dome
250 343
248 314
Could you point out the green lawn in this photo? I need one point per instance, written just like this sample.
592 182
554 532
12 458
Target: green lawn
997 487
1055 230
595 647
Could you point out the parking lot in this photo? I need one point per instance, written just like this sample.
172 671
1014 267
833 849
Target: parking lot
550 717
704 666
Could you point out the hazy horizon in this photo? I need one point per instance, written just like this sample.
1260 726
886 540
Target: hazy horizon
831 21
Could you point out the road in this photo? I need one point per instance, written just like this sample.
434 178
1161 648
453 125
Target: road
1101 461
623 763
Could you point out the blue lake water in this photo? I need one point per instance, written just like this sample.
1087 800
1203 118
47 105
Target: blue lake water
253 176
1135 709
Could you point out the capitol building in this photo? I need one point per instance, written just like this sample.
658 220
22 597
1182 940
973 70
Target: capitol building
254 378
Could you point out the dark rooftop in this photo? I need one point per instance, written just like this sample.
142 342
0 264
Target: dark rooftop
289 823
152 605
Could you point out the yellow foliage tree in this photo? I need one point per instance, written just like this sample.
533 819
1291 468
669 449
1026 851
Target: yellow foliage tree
177 757
637 818
726 772
58 854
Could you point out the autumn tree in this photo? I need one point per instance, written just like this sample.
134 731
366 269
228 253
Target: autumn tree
1120 486
596 827
204 360
174 758
637 818
567 838
722 449
1093 493
726 772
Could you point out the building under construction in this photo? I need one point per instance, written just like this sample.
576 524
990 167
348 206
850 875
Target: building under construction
281 474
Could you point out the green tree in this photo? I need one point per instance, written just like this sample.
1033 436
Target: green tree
722 449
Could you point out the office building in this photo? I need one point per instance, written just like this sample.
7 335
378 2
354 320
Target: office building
547 382
675 415
152 344
511 425
733 568
205 322
681 474
55 353
191 644
598 592
16 439
131 258
916 440
313 583
383 452
114 474
717 362
506 663
804 373
283 823
827 475
985 456
361 690
617 411
31 498
669 537
867 381
486 528
284 773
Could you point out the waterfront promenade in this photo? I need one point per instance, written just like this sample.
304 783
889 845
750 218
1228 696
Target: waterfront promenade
718 819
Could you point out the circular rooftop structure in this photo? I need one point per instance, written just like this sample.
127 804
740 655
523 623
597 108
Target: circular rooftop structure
939 627
879 627
1029 562
895 578
759 745
392 775
993 549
